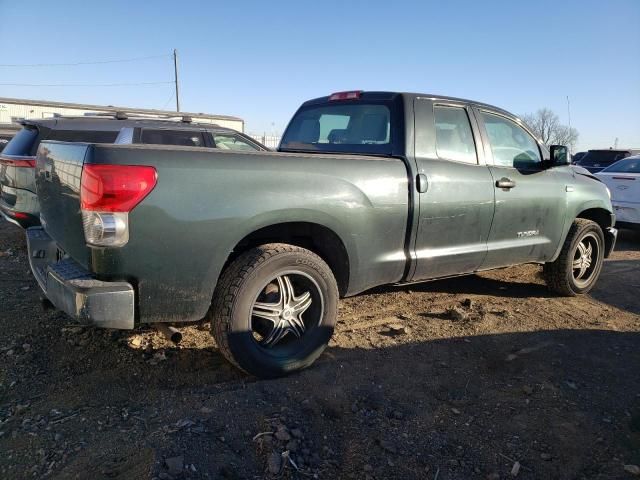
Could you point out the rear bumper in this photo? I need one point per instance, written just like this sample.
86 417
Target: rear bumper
610 237
626 212
73 290
21 219
20 206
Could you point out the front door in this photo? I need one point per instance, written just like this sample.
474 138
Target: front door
530 199
456 198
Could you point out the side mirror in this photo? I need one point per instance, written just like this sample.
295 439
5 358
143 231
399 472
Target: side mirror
559 155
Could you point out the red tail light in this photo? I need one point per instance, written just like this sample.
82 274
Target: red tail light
25 162
115 188
353 95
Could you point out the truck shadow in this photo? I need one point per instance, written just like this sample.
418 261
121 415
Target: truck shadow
628 241
459 405
619 285
476 285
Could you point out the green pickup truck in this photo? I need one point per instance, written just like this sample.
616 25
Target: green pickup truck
366 189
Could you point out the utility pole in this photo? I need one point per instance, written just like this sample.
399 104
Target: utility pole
569 111
175 72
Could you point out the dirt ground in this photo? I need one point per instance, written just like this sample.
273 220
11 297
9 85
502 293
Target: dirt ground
487 377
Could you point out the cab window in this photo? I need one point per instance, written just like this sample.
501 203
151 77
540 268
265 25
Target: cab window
511 145
454 138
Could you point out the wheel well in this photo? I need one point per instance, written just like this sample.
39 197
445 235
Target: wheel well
603 218
599 215
317 238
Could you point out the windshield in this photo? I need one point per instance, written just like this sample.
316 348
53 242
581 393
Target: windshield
22 143
602 158
628 165
348 128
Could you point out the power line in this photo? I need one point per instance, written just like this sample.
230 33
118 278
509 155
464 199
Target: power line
81 84
166 104
74 64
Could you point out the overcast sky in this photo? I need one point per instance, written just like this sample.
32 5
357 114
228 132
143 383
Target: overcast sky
260 60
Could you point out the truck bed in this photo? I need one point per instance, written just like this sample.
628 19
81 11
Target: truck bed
206 202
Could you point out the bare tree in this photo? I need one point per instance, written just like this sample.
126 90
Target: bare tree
546 125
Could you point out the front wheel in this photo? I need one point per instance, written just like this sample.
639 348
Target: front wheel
274 309
578 266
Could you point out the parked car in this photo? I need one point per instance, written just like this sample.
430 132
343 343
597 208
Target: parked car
577 156
368 188
18 201
623 180
3 142
597 160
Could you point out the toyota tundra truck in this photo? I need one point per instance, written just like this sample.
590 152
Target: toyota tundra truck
366 189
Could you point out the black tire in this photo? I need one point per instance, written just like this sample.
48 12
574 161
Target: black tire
561 276
243 337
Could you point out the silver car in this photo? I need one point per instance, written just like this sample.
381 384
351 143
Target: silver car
18 200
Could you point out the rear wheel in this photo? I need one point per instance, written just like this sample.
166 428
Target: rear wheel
274 309
578 266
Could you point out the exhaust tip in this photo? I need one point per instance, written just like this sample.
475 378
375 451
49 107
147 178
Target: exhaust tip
170 333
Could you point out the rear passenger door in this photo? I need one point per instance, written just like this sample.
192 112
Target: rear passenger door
530 199
456 197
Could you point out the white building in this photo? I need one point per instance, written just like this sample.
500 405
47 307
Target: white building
12 110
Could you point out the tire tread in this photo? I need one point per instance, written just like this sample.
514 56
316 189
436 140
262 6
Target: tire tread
555 273
230 283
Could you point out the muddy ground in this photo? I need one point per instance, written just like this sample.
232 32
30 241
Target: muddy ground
513 381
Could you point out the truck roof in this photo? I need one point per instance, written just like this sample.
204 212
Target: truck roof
375 95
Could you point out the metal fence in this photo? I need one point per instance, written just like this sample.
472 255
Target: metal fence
270 141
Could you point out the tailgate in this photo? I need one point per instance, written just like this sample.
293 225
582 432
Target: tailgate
58 174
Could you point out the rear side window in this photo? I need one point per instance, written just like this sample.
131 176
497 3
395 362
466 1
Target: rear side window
602 158
88 136
233 142
454 138
511 145
629 165
23 142
187 138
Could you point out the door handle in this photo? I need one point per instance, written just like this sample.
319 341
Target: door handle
422 184
505 183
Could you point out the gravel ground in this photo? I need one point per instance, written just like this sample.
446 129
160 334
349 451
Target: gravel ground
487 376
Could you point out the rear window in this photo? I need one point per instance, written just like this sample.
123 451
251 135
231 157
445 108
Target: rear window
187 138
88 136
602 158
629 165
22 142
353 127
